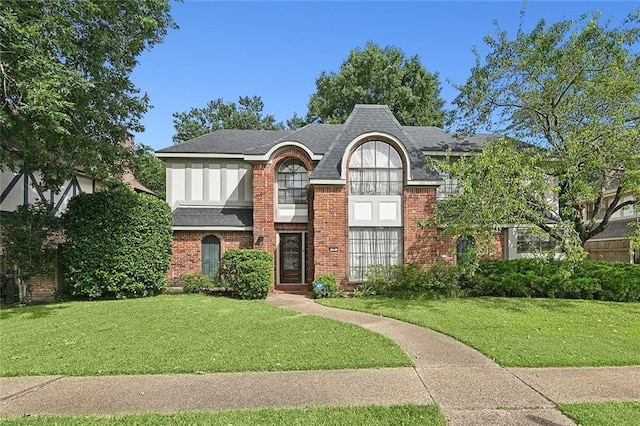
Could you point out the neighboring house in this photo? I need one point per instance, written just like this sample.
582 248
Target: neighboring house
612 244
323 199
22 188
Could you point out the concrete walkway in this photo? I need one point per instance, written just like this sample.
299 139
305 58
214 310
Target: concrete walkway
469 387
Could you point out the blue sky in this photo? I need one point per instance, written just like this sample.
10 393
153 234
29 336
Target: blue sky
276 50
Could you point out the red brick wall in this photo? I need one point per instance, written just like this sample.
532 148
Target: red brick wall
421 245
187 247
331 229
264 199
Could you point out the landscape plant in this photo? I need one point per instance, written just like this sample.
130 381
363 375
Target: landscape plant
247 273
118 244
29 237
411 281
612 281
199 282
326 285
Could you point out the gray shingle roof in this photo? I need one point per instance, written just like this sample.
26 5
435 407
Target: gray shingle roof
226 142
316 137
365 119
331 140
616 229
436 139
213 216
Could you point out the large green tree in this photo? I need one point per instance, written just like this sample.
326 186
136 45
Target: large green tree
375 75
218 114
571 91
149 170
66 98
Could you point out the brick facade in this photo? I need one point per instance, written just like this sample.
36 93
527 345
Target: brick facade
264 205
421 244
187 250
331 232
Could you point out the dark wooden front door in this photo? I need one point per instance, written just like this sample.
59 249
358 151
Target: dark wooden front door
290 258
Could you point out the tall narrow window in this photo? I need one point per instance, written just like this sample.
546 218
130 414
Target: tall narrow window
292 182
210 255
373 246
375 168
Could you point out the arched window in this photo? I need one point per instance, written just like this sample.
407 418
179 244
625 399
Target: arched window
210 255
375 168
292 182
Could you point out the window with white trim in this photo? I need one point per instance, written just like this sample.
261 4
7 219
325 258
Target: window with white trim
528 241
292 182
375 168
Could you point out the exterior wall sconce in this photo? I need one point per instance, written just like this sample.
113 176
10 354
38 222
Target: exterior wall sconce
260 240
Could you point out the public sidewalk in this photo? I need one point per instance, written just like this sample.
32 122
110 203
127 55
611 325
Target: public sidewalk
469 388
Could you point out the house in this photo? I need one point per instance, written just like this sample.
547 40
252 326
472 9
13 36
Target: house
23 188
323 199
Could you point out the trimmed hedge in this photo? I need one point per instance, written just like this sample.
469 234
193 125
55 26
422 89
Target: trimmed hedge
533 278
248 273
119 244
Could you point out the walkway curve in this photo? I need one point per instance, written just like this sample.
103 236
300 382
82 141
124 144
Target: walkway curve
469 387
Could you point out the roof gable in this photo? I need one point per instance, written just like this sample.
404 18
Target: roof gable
363 120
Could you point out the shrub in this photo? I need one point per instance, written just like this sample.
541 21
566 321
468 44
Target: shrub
119 244
195 283
377 283
533 278
248 273
325 285
438 280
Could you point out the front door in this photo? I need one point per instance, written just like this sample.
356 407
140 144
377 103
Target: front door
291 258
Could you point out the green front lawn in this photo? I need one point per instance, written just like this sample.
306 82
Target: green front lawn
524 332
370 415
603 413
181 334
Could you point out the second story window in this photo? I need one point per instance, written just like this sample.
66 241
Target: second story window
375 168
292 182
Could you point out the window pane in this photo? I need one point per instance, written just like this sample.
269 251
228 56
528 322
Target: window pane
368 154
382 154
373 246
378 172
356 158
394 159
292 182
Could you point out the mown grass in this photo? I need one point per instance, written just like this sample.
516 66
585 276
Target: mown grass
181 334
370 415
524 332
603 413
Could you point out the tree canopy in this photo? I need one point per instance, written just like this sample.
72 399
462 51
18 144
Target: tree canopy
149 170
375 75
217 114
66 97
571 91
